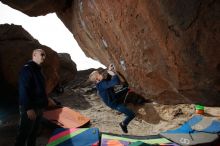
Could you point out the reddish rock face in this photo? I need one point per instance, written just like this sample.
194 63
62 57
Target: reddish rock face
38 7
68 69
167 50
16 46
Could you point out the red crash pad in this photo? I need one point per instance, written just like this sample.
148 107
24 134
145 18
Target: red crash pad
66 117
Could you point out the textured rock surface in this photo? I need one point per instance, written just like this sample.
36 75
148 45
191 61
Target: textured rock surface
38 7
67 68
16 46
167 50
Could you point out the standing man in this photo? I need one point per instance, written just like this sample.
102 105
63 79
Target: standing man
32 99
109 97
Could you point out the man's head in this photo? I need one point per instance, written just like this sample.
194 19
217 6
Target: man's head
95 76
38 56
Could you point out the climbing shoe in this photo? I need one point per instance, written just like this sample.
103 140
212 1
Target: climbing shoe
123 127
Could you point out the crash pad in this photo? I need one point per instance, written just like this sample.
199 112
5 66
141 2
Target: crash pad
66 117
109 139
74 137
199 130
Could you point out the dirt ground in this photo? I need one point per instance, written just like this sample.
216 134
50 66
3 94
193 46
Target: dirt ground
79 95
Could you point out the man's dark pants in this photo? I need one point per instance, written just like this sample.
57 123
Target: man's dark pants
27 132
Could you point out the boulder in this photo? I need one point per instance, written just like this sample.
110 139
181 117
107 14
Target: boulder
167 50
68 69
16 46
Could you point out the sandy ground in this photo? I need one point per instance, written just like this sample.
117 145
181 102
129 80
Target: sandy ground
151 118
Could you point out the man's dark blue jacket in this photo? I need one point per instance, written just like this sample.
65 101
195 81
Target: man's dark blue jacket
105 90
32 94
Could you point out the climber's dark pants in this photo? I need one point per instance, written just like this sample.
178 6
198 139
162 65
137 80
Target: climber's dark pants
129 113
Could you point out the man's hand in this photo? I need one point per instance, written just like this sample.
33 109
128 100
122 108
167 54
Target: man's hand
111 67
31 114
51 102
111 70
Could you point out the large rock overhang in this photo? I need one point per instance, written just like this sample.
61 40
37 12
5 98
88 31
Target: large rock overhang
167 50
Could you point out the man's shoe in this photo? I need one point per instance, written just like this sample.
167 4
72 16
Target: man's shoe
123 127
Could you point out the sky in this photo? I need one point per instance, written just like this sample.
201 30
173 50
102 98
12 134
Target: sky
50 31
